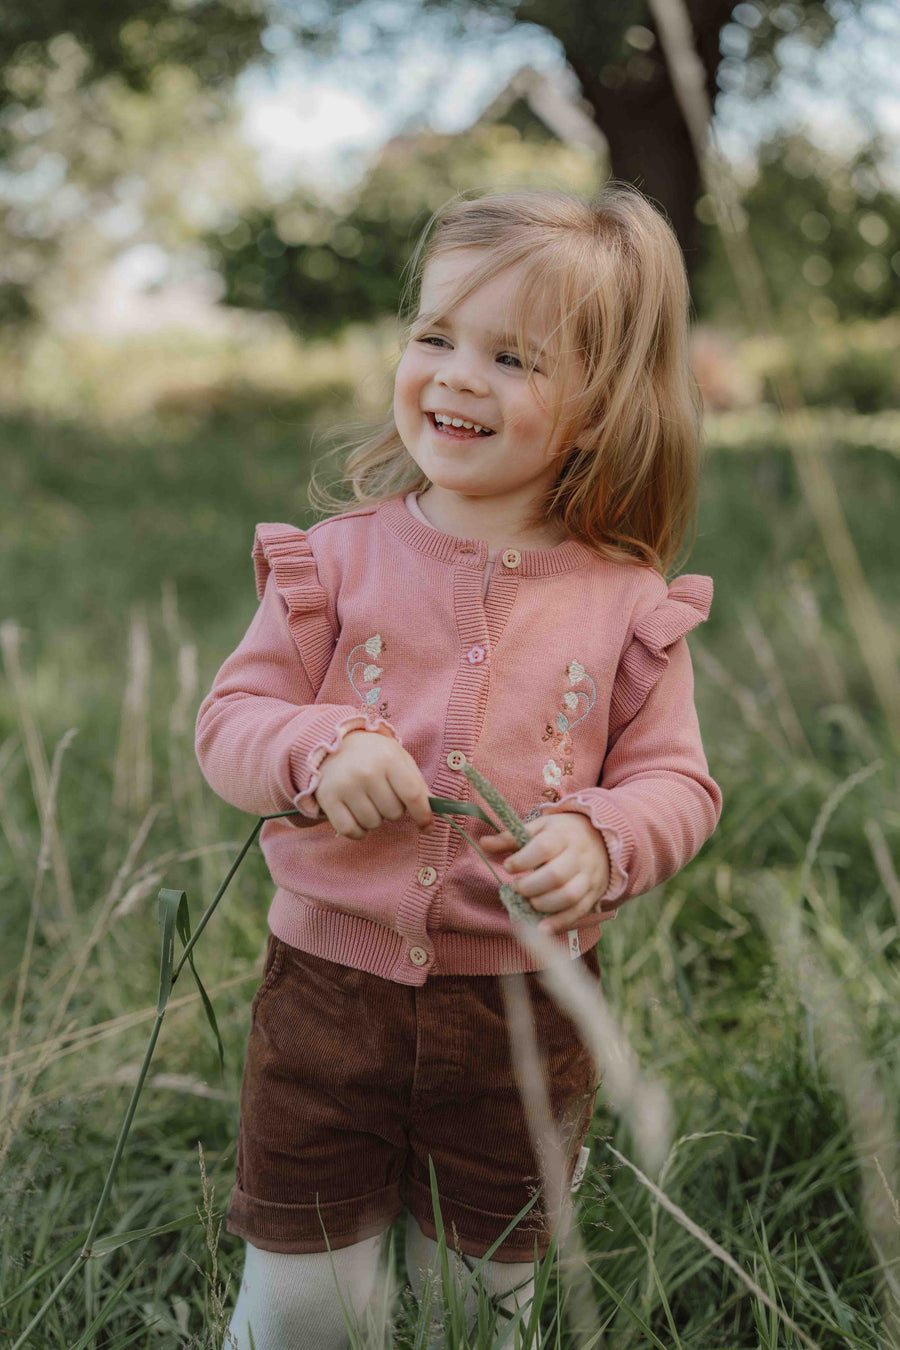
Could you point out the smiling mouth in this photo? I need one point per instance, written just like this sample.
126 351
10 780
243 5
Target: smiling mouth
457 433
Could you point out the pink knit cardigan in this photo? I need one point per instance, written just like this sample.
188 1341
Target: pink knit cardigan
567 682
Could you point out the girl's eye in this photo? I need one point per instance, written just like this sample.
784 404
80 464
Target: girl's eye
503 357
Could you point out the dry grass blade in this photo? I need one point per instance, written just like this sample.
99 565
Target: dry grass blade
127 1076
884 862
18 845
133 771
644 1103
187 1083
146 876
37 766
650 1282
550 1151
846 1063
194 808
825 813
75 1040
710 1243
809 629
8 1118
216 1316
576 993
747 702
765 658
37 1065
127 869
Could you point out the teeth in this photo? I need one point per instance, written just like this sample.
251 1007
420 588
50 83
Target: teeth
458 422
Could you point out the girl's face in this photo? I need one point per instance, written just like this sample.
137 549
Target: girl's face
466 367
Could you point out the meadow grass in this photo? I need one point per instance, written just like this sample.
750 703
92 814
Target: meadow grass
742 1187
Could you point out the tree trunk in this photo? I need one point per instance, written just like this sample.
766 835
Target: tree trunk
633 98
649 146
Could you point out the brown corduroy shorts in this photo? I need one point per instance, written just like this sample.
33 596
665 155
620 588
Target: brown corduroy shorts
352 1081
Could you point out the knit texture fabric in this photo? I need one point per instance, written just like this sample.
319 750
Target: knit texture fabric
566 681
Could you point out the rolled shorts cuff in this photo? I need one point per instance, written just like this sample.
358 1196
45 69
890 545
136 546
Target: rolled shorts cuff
477 1231
275 1227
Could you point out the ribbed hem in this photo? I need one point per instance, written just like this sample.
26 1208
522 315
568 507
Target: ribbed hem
352 941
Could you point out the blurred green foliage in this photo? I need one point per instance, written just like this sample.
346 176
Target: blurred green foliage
827 233
322 266
866 379
826 230
850 365
131 38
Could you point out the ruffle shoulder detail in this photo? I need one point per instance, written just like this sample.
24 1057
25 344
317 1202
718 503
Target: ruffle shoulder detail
285 551
685 605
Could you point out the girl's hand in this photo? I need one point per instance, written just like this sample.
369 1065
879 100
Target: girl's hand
566 862
370 778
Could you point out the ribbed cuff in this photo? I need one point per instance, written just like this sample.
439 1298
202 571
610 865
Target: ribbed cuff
305 760
615 830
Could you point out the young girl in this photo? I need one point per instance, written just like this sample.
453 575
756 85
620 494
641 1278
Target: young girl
495 594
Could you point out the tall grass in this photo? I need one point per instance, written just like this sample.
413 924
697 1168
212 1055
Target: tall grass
742 1185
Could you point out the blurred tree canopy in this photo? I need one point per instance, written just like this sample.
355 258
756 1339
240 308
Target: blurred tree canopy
117 127
79 87
616 53
322 266
130 39
826 229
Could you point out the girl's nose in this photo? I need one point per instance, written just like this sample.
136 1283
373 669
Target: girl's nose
459 372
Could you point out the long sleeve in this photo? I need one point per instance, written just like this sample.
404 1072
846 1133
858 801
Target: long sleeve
260 737
655 804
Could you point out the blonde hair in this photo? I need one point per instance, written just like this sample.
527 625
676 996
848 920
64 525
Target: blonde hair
611 270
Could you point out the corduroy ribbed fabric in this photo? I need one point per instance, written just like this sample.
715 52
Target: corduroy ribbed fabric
351 1081
567 682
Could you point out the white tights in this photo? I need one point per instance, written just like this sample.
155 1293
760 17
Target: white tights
291 1303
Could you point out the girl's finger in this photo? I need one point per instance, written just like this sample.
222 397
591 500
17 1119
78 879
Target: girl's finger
553 927
562 920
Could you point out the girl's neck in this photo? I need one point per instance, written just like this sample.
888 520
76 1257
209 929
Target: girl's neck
453 517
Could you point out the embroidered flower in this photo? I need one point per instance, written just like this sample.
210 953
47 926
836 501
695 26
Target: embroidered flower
576 673
561 735
372 646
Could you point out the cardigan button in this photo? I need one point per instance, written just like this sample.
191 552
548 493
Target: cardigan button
456 759
418 956
427 876
511 557
475 655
